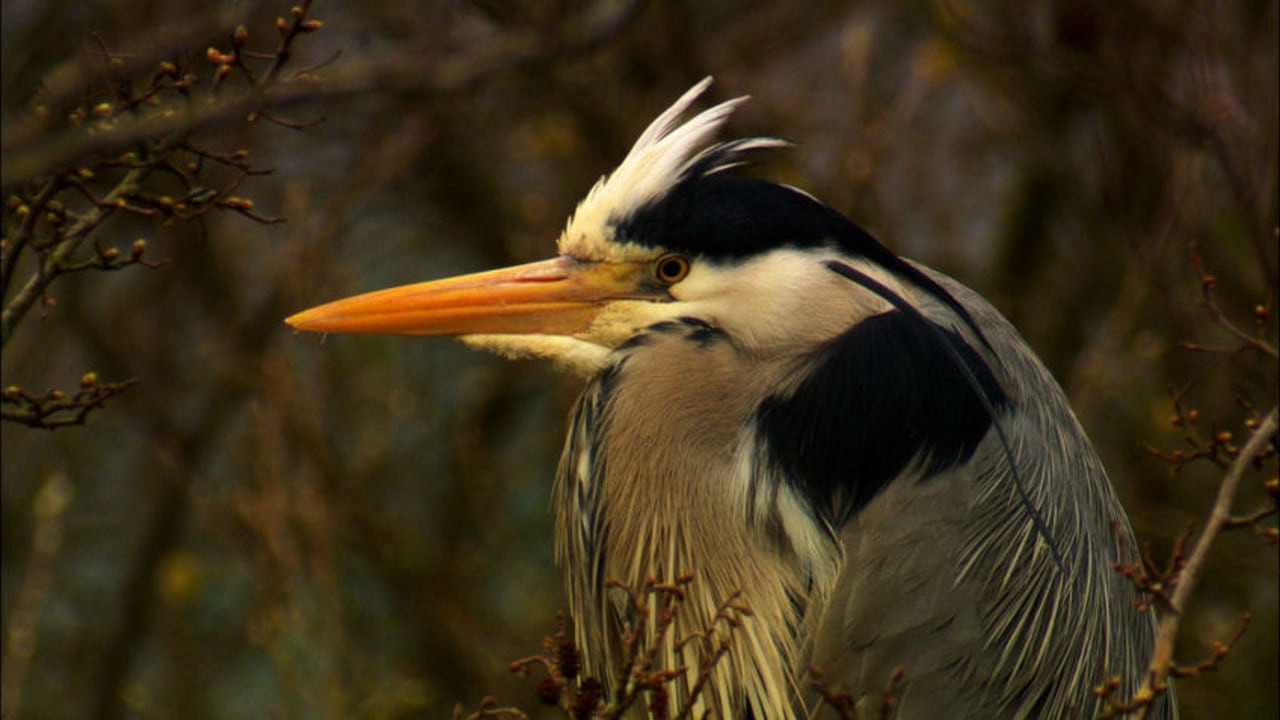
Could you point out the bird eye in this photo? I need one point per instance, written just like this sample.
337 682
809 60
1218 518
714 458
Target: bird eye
671 269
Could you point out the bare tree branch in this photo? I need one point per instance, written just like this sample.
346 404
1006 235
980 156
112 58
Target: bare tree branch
1162 657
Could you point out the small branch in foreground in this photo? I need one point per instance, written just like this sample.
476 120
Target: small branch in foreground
1152 581
646 676
1214 445
1161 665
1207 284
1140 703
1221 648
54 409
64 200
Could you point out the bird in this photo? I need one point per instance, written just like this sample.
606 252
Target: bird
859 450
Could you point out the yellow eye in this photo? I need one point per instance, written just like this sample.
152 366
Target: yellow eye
671 269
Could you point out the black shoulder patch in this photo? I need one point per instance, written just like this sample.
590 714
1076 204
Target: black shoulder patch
880 394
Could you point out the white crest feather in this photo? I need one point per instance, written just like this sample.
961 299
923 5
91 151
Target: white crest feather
661 157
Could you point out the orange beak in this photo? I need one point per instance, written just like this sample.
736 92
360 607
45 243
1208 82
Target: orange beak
560 296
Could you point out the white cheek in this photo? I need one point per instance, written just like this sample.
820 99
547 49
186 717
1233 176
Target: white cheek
782 299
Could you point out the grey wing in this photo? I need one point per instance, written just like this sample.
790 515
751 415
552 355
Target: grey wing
966 598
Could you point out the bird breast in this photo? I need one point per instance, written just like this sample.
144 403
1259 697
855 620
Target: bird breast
662 478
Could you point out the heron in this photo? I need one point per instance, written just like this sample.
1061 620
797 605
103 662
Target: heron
860 449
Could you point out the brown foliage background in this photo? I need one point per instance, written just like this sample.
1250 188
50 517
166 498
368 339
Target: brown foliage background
270 525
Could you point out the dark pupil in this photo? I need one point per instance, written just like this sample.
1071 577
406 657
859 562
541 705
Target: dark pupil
671 269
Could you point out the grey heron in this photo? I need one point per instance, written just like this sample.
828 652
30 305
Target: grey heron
781 407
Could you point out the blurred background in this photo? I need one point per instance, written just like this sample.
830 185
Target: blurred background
271 525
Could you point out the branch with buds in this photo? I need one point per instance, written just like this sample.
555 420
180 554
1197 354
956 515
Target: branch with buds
55 408
58 211
1174 585
643 676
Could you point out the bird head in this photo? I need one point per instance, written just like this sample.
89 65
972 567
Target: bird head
669 234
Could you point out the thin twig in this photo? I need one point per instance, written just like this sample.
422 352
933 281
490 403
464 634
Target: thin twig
34 288
9 255
1162 656
1207 283
27 159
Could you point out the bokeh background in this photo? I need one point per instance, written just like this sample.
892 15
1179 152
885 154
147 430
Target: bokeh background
268 525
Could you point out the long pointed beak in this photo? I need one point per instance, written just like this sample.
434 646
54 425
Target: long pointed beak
558 296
